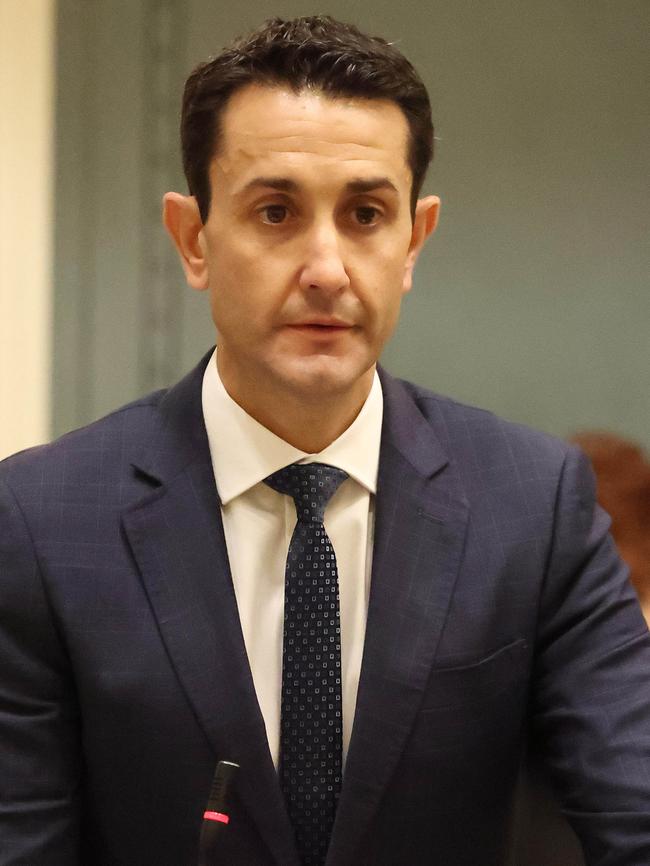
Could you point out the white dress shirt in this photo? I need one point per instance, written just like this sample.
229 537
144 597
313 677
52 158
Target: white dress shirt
258 523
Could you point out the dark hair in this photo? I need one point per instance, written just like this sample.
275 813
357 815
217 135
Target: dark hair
313 52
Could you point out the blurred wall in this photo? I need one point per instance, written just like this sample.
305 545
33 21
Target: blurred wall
26 157
531 300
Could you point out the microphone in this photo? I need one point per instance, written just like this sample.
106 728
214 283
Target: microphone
215 817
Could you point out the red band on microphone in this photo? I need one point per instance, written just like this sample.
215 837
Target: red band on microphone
216 816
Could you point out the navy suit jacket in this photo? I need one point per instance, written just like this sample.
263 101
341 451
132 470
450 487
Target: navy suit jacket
499 614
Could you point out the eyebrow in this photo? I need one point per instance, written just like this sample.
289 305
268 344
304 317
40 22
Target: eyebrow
285 184
370 184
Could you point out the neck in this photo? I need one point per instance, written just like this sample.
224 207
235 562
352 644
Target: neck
310 431
307 422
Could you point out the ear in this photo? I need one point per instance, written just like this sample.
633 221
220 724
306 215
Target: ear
424 223
183 222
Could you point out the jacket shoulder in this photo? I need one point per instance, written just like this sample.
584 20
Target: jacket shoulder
99 446
477 435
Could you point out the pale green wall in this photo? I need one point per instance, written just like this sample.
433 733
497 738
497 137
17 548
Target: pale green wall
532 299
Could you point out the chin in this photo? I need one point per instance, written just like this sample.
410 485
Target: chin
324 376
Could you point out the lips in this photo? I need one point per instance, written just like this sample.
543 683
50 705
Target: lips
321 323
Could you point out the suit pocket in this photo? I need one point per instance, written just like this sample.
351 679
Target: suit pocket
472 714
475 682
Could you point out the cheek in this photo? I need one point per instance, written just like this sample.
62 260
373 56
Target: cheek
387 305
386 260
385 283
245 301
391 313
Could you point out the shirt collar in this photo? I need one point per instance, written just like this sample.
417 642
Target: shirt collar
244 452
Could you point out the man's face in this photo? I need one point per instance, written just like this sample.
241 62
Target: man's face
308 246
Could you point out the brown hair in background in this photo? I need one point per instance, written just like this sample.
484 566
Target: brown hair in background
623 479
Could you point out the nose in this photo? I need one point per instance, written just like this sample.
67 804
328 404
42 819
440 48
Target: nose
324 268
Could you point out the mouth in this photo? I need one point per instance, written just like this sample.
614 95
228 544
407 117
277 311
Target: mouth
322 325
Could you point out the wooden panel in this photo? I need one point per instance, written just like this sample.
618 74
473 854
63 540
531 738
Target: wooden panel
125 323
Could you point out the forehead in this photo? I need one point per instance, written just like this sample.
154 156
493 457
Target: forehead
269 128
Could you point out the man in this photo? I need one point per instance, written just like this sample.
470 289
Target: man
177 588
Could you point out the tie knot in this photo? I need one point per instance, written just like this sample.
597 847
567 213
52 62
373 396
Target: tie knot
310 485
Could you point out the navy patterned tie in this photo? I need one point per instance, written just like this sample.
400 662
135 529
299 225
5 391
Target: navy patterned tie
311 720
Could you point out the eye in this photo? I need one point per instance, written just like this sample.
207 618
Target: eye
274 214
366 215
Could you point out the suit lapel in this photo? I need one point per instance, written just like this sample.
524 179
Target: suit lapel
177 539
420 526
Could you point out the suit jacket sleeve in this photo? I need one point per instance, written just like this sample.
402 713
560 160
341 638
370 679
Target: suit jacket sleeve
591 700
40 767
